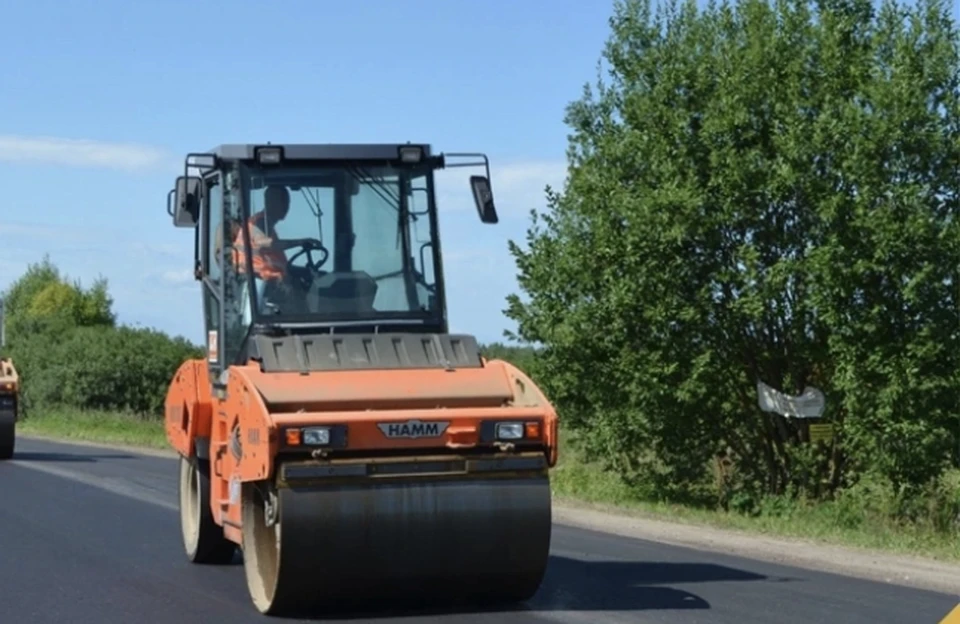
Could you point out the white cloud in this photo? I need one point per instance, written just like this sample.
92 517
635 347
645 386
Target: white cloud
181 276
517 187
166 249
32 230
80 153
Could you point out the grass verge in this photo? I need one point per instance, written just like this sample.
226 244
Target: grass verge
106 427
581 483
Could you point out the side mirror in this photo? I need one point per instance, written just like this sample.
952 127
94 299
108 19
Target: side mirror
483 198
186 204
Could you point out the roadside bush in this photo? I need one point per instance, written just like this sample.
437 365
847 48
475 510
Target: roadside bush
523 357
119 368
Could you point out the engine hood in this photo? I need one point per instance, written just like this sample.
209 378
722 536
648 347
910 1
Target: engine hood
378 371
394 389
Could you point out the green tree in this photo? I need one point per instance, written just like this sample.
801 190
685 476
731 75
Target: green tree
43 300
523 357
759 192
69 351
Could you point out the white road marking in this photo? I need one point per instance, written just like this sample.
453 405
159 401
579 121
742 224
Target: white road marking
114 485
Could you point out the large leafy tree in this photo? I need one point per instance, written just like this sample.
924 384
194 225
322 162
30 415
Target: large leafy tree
44 300
758 192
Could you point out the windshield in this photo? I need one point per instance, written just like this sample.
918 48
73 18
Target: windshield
344 243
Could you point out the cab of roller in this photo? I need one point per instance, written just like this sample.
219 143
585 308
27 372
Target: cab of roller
351 281
352 252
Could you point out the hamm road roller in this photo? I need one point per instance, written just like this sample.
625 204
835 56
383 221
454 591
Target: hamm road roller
9 404
355 450
9 398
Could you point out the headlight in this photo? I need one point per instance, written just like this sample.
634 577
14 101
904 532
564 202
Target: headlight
411 153
509 431
316 436
269 155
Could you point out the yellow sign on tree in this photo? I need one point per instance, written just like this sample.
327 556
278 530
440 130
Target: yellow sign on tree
821 432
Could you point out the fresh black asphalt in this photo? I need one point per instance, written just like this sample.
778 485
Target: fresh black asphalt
92 536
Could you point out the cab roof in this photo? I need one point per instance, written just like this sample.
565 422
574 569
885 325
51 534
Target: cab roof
318 151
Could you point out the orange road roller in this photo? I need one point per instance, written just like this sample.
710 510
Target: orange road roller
336 432
9 397
9 407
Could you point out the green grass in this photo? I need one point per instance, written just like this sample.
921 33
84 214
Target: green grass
106 427
582 483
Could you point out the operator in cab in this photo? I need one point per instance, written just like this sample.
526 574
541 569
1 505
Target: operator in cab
284 284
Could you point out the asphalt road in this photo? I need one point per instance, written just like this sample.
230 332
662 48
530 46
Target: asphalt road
90 536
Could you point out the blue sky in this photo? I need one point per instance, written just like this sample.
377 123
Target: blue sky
142 83
146 82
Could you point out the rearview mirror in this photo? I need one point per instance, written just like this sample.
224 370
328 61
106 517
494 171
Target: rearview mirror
483 198
186 206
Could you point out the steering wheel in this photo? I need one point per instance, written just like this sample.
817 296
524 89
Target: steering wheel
312 267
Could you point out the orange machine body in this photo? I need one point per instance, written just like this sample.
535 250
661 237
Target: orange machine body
9 407
247 435
9 378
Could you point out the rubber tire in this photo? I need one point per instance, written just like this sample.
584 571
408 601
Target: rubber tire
203 539
8 439
261 555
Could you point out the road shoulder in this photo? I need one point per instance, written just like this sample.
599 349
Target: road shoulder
916 572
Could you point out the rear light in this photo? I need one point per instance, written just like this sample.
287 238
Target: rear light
308 436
